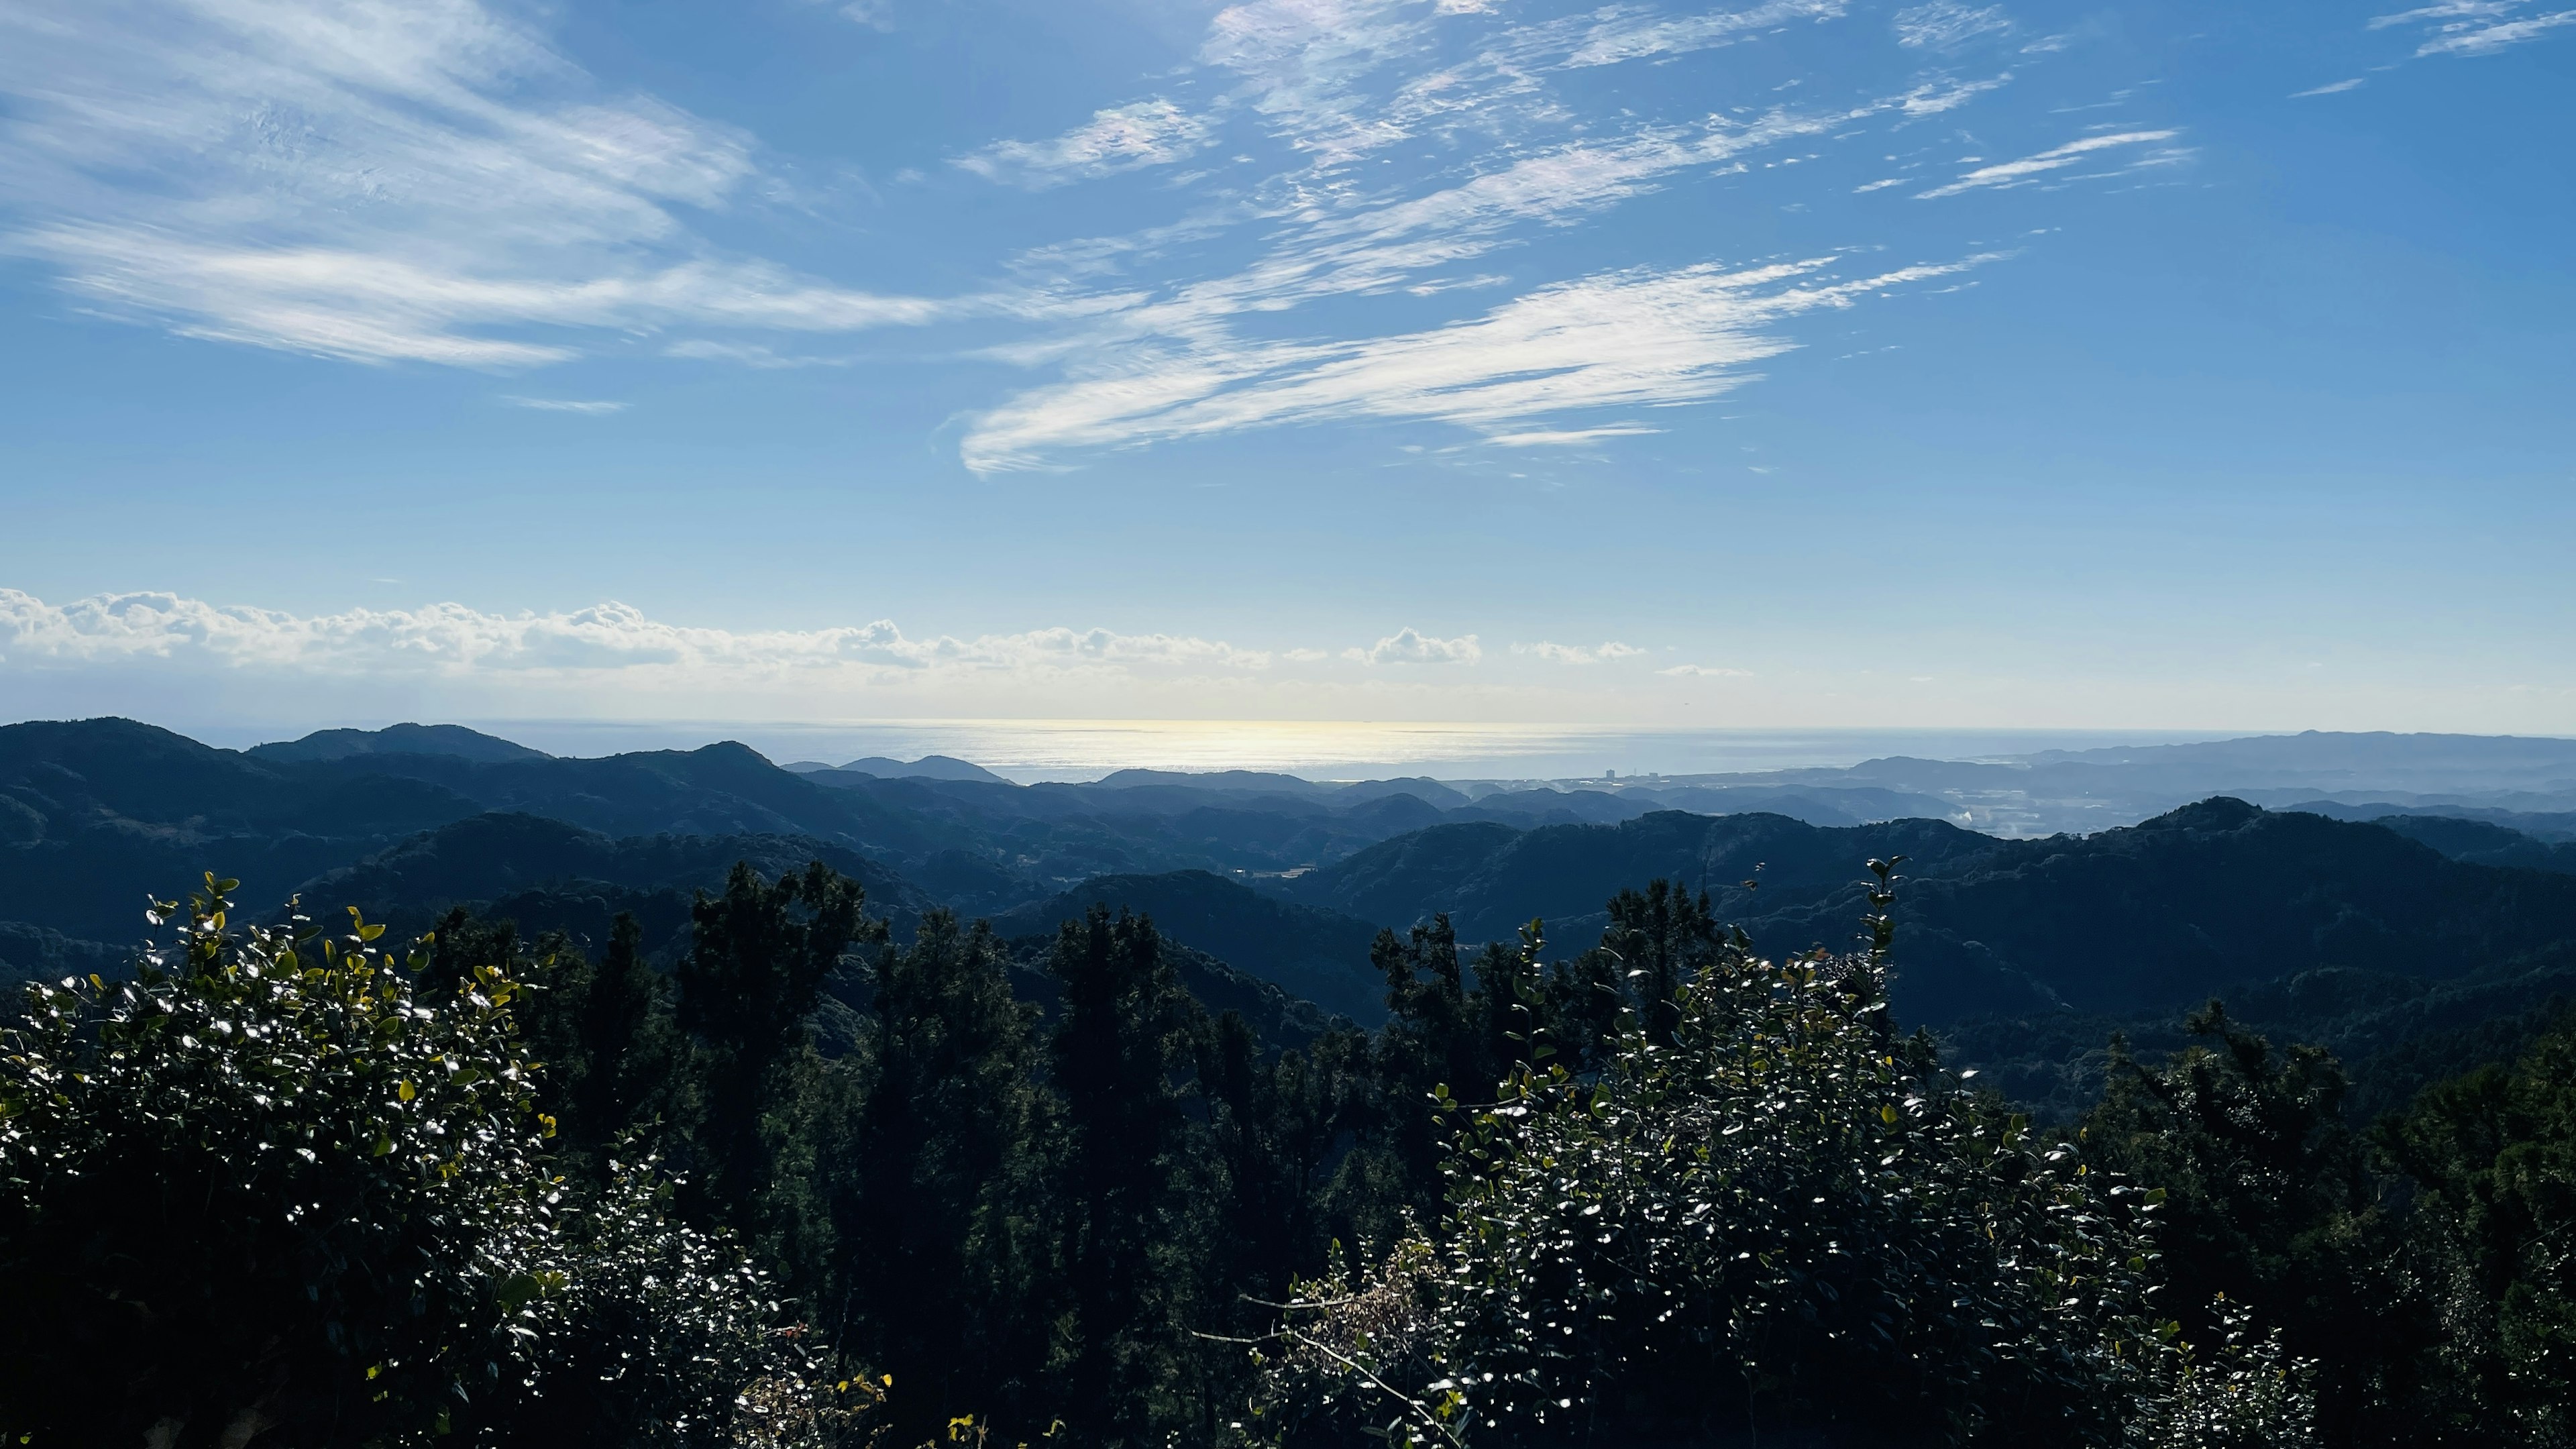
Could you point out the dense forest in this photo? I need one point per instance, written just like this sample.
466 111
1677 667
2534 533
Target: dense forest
808 1179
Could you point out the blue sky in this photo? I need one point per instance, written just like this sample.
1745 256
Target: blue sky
1785 363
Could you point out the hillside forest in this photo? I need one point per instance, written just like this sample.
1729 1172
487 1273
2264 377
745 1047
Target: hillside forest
2235 1127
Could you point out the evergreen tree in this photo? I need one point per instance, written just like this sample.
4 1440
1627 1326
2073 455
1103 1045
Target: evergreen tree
1122 1185
2492 1157
2270 1205
753 973
945 1274
1273 1129
1430 1041
624 1056
1661 938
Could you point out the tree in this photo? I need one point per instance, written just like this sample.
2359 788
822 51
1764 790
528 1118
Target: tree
1273 1129
944 1277
2271 1207
1778 1221
2492 1156
757 960
269 1191
246 1192
625 1059
1431 1040
1661 938
1122 1186
643 1330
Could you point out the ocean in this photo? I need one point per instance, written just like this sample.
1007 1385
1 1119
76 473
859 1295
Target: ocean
1059 749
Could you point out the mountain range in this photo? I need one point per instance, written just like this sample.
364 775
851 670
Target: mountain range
2023 952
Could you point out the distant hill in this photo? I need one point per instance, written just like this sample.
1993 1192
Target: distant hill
1242 782
2384 933
928 767
98 812
455 741
495 856
2481 842
32 953
2376 753
1317 954
1491 877
2554 827
2146 918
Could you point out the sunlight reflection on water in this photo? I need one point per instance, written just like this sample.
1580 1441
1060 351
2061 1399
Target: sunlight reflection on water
1029 750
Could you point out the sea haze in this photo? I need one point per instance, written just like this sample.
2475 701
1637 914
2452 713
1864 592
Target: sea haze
1073 750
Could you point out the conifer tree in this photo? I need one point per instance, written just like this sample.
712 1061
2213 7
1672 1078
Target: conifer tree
945 1278
1123 1030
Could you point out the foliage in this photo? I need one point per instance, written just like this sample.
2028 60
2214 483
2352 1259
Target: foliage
935 1179
633 1328
1124 1180
281 1189
250 1191
2250 1394
268 1190
2271 1202
1781 1219
2492 1157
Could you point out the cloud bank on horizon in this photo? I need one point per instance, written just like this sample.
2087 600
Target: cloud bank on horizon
192 663
618 647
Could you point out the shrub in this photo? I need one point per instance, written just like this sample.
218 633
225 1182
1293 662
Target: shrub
1787 1219
261 1191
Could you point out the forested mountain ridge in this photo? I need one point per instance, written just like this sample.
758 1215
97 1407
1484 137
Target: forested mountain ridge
1318 954
87 802
2122 928
400 739
2154 914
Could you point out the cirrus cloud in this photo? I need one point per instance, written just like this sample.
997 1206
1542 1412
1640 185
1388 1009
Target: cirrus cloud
2004 175
1121 138
375 181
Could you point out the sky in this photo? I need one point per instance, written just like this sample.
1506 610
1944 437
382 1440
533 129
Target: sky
1777 364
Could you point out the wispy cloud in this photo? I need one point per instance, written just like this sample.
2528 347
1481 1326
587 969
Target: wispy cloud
433 180
1409 646
1579 654
2333 88
1125 138
2489 39
2448 10
1620 339
1300 63
452 640
2005 174
1945 24
373 180
1705 671
564 405
1175 366
1631 36
2474 27
758 355
1569 437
